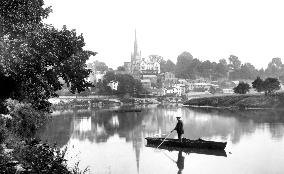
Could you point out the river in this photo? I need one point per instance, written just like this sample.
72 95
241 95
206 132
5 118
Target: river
114 143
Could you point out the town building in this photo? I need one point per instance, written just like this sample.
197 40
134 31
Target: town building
146 83
142 68
113 85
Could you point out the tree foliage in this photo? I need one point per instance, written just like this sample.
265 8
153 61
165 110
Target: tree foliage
242 88
234 62
98 66
183 63
126 84
275 68
167 66
258 84
35 55
270 85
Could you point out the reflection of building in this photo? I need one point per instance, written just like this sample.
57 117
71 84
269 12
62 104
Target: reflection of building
137 138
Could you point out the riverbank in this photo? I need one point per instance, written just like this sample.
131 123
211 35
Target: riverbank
237 101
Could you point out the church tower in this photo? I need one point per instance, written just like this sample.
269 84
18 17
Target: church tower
135 60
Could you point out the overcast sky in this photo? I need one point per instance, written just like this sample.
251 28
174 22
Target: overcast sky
253 30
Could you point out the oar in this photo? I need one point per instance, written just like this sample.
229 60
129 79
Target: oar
169 157
164 139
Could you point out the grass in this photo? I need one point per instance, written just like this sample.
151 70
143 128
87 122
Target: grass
240 101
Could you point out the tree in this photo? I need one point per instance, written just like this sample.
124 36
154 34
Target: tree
261 73
183 63
274 68
248 71
168 66
100 66
242 88
270 85
221 69
121 68
35 55
258 84
235 63
205 69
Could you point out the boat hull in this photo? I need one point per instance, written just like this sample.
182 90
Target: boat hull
186 143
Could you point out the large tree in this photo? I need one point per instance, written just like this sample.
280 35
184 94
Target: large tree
183 63
248 71
275 68
234 62
167 66
221 69
242 88
258 84
34 55
270 85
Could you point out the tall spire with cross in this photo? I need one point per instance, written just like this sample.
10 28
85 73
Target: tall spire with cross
135 45
135 59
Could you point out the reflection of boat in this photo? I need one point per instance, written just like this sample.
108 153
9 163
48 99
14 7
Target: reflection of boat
128 110
186 143
215 152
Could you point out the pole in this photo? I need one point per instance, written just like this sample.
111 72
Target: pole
164 139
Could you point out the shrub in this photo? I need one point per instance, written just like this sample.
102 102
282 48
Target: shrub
38 157
2 130
270 85
25 119
258 84
242 88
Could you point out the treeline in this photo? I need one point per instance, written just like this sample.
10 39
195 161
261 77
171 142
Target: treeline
127 85
268 86
192 68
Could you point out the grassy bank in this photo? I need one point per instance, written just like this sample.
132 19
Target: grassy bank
240 101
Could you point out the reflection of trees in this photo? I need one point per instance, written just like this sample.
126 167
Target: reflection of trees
98 126
249 120
58 130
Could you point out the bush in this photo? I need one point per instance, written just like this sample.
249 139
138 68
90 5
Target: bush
242 88
25 119
270 85
3 131
258 84
38 157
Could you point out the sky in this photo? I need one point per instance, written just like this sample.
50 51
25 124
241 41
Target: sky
211 30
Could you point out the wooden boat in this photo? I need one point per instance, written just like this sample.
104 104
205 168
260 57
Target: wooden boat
215 152
186 143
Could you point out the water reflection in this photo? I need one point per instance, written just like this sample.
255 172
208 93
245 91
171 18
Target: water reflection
102 132
180 162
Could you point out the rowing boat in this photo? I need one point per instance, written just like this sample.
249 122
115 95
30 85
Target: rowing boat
186 143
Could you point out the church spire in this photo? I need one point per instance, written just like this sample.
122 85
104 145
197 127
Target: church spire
135 45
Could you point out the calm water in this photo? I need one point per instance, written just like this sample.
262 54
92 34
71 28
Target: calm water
113 143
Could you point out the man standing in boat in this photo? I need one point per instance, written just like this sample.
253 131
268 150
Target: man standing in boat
179 128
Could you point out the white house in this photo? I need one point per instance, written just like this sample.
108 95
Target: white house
179 89
146 83
149 66
113 85
228 91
